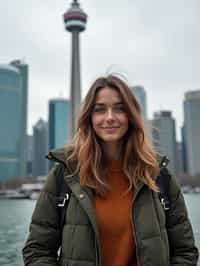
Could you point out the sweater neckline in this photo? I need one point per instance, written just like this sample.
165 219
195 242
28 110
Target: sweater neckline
115 166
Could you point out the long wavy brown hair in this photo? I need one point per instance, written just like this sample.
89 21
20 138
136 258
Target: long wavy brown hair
138 157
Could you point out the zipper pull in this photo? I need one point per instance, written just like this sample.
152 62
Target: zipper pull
62 203
165 204
164 162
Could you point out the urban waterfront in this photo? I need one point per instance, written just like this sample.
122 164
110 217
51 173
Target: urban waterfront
15 218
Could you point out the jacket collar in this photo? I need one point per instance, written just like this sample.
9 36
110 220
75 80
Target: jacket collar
57 155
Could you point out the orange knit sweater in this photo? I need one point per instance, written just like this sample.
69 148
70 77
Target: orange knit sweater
113 215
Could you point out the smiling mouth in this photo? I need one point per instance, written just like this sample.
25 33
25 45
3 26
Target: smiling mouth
109 127
110 130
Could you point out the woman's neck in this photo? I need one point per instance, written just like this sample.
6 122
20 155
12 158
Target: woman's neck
112 151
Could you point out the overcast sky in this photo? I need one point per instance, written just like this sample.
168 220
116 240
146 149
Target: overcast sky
154 43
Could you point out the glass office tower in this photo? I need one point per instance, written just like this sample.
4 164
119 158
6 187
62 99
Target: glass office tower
58 122
40 148
192 131
13 115
140 94
164 137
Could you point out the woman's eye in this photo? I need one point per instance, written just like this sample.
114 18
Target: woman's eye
102 109
119 109
99 109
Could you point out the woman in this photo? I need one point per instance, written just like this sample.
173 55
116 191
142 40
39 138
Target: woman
114 216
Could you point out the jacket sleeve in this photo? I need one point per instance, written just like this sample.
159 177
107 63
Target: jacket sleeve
183 251
44 235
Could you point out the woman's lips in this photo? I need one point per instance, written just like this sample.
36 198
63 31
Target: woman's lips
110 130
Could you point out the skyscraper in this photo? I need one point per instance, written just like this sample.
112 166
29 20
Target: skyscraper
13 119
58 122
192 131
23 68
140 94
179 158
75 22
29 155
164 136
40 148
185 166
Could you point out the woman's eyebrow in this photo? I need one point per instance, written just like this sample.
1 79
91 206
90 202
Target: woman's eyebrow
117 103
97 104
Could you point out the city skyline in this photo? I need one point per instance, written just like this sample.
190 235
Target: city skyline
14 77
155 45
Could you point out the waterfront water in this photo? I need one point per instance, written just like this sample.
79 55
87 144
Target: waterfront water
15 217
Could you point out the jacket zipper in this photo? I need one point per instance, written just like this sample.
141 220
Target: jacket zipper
98 251
133 223
97 263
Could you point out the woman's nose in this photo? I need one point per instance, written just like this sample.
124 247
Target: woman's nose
110 115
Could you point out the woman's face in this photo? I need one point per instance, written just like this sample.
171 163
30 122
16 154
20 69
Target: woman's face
109 118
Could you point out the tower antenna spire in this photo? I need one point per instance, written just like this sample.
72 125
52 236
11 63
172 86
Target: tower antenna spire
75 3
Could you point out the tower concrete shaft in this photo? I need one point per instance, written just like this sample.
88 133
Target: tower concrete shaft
75 21
75 92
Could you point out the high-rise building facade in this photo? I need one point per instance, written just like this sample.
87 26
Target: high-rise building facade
58 123
140 94
75 22
164 136
40 148
192 131
29 155
179 158
13 119
185 167
23 68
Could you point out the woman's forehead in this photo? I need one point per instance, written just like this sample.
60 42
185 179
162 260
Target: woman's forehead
108 95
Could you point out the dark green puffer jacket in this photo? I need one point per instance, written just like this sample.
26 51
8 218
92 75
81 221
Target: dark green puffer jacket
155 245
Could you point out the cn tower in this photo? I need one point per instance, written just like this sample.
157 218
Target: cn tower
75 22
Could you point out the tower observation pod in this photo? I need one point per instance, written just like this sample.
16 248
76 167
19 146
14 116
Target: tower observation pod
75 22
